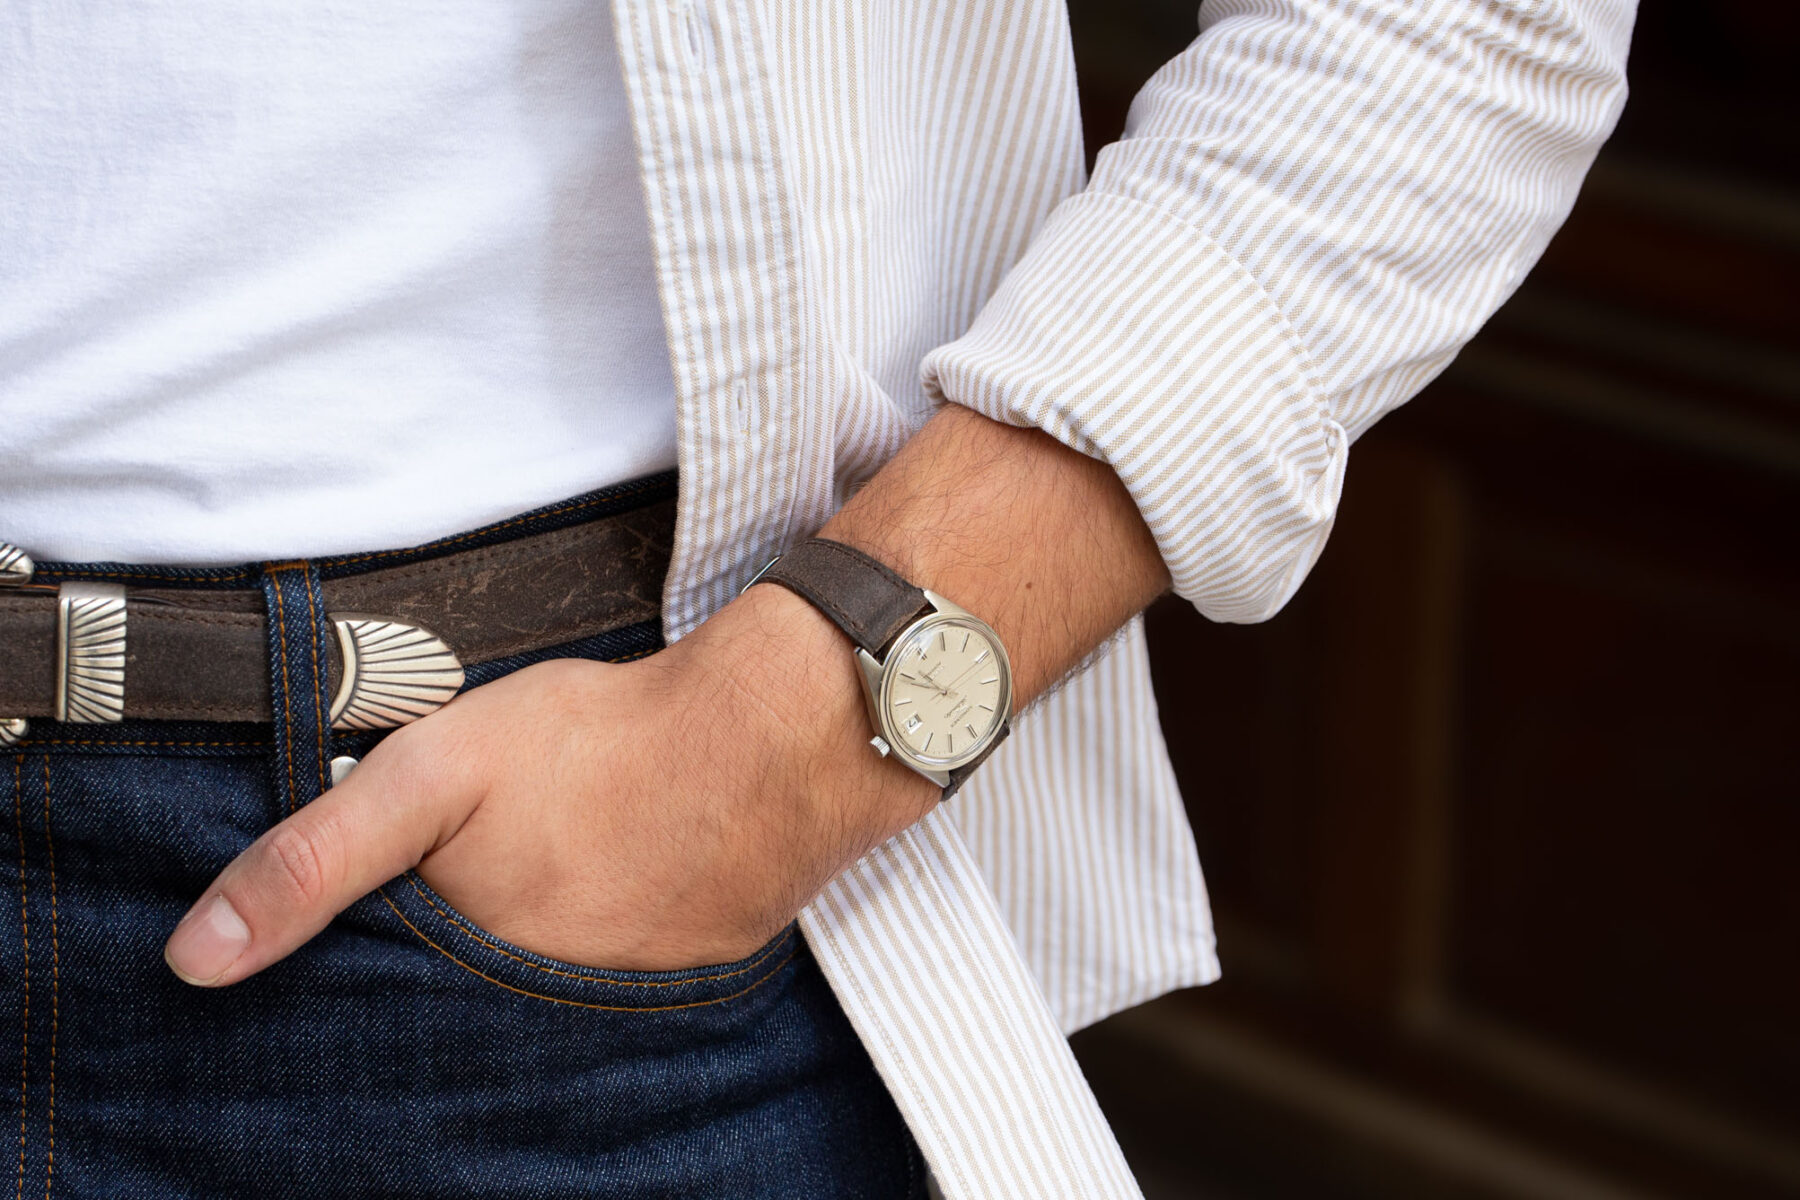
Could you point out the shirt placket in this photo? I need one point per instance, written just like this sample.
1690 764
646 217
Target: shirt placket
749 441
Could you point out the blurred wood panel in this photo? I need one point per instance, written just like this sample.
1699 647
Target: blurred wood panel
1500 815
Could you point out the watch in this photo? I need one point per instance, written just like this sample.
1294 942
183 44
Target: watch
936 678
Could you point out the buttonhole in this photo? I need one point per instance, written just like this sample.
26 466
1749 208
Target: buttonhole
696 34
740 404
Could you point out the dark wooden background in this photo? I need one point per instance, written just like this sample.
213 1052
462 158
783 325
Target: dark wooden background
1501 815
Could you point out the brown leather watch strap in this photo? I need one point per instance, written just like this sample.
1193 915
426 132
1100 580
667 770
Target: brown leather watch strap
862 597
865 599
962 773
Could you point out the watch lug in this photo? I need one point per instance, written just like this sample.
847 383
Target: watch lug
941 778
944 606
869 671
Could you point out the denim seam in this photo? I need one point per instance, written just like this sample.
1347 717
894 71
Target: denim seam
25 939
462 927
315 606
287 699
104 742
55 987
155 577
621 1008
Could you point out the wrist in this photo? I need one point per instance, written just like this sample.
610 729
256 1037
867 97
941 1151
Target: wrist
783 676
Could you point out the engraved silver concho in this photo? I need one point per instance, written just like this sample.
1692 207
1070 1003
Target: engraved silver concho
15 565
393 673
90 653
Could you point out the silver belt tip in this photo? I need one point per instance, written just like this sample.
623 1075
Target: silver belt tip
90 653
394 672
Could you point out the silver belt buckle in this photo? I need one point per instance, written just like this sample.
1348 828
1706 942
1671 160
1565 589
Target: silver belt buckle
90 653
394 672
90 649
16 568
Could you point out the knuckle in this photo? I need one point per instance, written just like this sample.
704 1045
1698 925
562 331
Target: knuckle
299 855
420 750
419 767
565 685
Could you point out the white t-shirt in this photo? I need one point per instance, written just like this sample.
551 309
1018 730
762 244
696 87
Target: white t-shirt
304 279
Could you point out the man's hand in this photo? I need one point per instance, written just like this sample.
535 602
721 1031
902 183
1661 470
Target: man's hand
667 813
679 811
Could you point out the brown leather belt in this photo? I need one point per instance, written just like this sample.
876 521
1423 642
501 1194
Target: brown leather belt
203 654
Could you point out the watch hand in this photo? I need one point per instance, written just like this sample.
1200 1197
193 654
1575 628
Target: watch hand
925 681
966 671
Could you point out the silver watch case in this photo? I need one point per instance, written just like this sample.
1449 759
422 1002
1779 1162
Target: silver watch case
878 679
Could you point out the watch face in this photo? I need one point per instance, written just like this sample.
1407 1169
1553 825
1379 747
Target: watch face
946 690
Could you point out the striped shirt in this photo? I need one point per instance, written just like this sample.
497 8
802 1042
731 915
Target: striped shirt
864 208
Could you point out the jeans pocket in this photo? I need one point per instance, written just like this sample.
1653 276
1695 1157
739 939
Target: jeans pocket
452 941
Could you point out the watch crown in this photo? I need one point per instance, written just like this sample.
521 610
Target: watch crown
881 746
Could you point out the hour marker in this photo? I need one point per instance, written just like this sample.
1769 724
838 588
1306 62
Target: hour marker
967 634
971 730
908 700
995 679
980 658
985 707
942 644
951 739
928 738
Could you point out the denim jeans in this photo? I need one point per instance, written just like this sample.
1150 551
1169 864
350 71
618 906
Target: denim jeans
404 1051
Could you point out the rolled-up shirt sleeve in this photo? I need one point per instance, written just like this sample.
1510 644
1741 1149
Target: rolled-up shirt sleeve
1313 208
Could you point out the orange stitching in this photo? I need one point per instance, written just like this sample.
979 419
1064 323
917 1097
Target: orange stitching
468 931
104 742
55 985
153 577
287 698
315 608
25 936
773 971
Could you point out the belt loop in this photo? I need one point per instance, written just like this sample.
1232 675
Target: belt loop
299 677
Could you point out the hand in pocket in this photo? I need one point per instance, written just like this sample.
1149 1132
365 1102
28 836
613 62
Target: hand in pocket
656 815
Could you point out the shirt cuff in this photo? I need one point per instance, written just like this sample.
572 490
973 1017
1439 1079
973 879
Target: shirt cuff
1131 336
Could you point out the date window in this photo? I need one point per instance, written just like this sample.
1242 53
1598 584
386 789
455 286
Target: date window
913 722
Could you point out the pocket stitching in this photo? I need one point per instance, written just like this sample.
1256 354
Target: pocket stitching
467 928
773 971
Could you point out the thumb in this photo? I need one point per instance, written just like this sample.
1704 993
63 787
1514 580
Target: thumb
290 882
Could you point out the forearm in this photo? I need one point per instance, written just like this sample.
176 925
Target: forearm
1042 542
